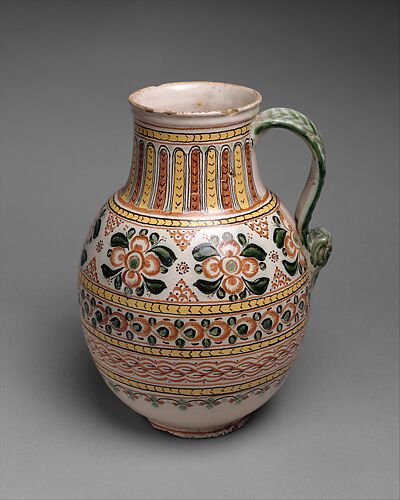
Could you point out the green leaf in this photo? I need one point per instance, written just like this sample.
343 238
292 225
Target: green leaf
279 237
166 255
83 256
242 329
276 220
119 240
118 282
258 287
242 239
291 267
154 238
131 232
96 229
255 251
154 286
203 251
108 272
116 322
208 287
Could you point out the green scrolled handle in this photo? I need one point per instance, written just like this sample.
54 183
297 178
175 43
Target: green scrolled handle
318 241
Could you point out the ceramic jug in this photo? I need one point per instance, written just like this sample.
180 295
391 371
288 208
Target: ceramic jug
195 280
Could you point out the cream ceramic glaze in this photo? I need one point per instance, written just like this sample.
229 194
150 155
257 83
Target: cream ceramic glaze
195 104
195 280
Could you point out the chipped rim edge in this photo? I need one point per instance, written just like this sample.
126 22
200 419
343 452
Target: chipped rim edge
228 112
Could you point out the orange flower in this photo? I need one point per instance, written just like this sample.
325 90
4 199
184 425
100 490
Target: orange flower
211 268
232 285
250 267
136 261
292 241
229 248
291 244
230 264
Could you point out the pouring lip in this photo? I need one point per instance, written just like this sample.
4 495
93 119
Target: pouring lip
137 99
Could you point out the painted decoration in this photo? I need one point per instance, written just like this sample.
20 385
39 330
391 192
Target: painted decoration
195 281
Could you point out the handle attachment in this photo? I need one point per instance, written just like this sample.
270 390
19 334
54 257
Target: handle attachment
318 241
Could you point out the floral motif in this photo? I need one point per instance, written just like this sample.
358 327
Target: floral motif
228 266
182 293
260 226
90 270
182 268
279 280
182 237
287 239
112 223
273 256
135 260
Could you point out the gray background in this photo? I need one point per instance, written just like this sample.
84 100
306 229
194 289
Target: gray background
66 71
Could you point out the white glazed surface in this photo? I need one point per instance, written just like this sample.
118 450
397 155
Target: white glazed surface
195 104
182 410
194 284
186 98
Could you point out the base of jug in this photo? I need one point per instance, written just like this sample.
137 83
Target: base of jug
201 434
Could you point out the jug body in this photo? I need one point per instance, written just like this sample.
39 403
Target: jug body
195 280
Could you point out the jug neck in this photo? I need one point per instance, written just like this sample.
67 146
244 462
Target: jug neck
181 170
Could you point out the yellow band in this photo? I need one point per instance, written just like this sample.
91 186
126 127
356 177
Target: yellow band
191 309
168 222
189 138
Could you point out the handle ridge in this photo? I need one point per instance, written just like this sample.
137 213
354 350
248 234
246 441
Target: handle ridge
318 241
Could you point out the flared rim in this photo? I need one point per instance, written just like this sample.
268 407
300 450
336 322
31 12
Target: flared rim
195 98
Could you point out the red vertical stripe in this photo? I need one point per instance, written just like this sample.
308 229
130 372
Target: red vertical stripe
249 170
139 174
225 183
195 180
162 181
